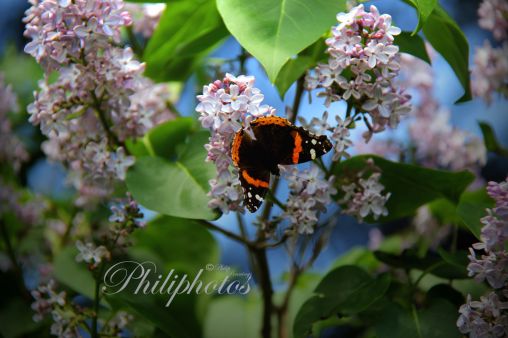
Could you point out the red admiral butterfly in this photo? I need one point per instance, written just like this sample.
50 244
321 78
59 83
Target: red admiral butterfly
277 141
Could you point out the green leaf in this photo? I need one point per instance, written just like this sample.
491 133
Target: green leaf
168 188
16 318
296 67
436 321
73 274
490 140
472 207
275 30
292 71
457 259
448 39
412 44
450 268
233 316
346 290
164 138
22 72
410 186
424 8
177 188
179 243
187 32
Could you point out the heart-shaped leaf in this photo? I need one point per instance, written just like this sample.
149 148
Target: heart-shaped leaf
178 188
275 30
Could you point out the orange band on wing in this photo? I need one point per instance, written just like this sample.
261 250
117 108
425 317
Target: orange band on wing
235 148
264 120
254 181
298 146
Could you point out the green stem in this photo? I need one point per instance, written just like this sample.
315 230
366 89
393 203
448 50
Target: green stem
172 108
266 290
427 271
417 321
275 200
113 140
96 301
136 47
18 272
228 233
242 58
282 310
243 232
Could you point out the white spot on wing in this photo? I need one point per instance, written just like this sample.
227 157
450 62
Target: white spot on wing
258 197
313 154
314 141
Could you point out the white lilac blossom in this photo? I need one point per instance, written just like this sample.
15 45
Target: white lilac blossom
145 17
309 194
12 150
61 31
364 195
485 318
493 16
46 299
437 143
91 254
361 68
490 71
225 107
115 325
489 316
126 217
100 98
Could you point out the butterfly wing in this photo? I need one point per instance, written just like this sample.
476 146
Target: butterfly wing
307 146
255 183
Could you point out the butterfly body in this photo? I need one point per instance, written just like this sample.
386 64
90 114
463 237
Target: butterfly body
276 141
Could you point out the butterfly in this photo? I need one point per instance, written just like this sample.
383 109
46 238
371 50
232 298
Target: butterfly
276 141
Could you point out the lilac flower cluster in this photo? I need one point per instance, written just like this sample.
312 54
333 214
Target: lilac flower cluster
494 17
12 150
49 301
309 194
364 196
126 217
225 107
61 30
69 319
485 318
436 142
489 316
145 17
100 97
490 71
362 66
